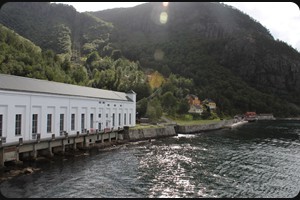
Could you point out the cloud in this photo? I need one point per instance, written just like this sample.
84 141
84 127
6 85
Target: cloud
97 6
280 18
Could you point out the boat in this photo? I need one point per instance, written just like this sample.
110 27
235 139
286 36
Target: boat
251 116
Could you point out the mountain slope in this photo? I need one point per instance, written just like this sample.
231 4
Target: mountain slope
58 27
19 56
212 31
220 52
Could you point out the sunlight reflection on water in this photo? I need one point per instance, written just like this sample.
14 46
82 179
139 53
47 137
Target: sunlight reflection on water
257 161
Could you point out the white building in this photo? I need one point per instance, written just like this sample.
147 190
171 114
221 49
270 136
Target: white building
196 109
29 107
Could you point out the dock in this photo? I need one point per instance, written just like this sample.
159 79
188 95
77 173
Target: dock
18 151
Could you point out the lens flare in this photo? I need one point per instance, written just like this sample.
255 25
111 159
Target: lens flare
165 4
163 17
158 54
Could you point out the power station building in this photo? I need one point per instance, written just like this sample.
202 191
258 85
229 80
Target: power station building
31 108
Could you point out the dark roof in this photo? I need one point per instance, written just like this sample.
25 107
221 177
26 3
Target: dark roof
24 84
196 106
209 100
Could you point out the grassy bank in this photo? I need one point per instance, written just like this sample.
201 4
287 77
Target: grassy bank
195 122
145 126
180 122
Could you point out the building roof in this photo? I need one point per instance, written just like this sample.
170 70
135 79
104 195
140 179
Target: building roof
24 84
209 100
196 106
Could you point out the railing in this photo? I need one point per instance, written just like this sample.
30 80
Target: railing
3 139
36 136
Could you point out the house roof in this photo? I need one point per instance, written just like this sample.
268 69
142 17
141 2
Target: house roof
196 106
24 84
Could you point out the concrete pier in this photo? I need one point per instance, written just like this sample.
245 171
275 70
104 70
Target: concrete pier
33 148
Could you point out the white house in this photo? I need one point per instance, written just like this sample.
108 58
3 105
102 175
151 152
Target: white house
196 109
31 106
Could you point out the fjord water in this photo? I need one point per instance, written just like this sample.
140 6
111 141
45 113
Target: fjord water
259 159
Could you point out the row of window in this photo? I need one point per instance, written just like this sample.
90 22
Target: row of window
1 124
113 122
109 104
18 124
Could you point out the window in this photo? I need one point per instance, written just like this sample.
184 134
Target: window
124 118
99 115
113 119
61 122
1 125
92 120
73 122
129 118
99 126
106 115
49 123
82 122
34 123
18 124
119 119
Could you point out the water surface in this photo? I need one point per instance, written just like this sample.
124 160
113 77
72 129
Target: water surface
260 160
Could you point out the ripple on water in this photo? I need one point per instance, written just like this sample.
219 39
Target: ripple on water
258 160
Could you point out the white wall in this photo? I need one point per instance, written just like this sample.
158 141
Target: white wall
27 104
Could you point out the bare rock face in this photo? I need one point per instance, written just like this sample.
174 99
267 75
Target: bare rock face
266 65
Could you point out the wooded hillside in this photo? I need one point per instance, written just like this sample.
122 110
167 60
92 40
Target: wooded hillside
207 49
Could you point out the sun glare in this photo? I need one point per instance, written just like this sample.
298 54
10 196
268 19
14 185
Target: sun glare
163 17
165 4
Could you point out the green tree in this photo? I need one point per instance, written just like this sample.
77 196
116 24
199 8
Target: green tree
80 75
154 110
94 56
141 107
116 54
169 103
183 106
205 114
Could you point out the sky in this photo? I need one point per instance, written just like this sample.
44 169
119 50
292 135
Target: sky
282 19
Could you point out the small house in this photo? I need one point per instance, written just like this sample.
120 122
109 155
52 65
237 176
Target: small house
195 104
210 103
196 109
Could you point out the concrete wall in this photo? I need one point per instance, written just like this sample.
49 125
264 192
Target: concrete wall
150 133
32 149
265 117
203 127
